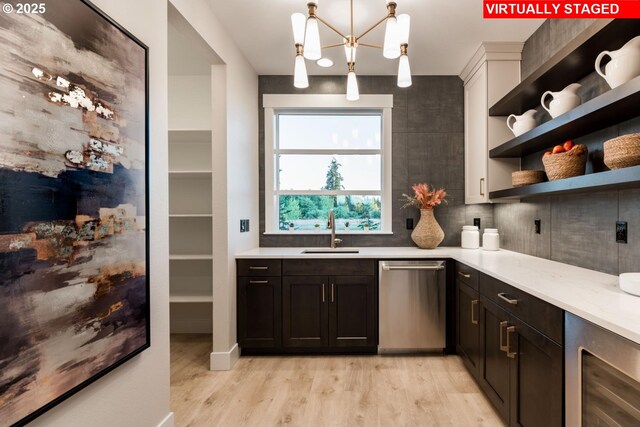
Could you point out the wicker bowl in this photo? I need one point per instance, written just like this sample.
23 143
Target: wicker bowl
521 178
566 165
622 152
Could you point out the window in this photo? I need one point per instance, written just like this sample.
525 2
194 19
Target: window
322 153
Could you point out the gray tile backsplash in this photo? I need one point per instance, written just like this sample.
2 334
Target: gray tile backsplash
428 146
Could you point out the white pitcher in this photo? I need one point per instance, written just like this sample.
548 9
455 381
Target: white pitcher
523 123
624 64
565 100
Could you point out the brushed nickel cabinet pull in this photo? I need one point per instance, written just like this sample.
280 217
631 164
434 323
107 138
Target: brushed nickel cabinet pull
466 276
502 327
258 268
333 294
482 186
474 303
511 354
259 282
323 292
504 297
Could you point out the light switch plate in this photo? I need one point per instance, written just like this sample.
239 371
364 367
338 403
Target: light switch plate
537 225
244 225
621 232
476 222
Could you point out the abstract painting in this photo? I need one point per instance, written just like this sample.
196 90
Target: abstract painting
74 285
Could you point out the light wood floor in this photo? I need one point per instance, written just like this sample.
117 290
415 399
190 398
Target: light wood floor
318 391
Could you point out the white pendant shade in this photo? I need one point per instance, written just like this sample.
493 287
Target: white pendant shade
300 79
350 53
298 21
353 94
391 49
404 25
312 48
404 72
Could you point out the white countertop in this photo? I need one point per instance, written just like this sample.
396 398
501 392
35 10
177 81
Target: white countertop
592 295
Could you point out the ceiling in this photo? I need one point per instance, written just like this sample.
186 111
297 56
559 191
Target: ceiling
444 33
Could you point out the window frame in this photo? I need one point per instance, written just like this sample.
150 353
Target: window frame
325 104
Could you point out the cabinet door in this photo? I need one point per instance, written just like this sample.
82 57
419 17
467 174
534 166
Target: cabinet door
259 312
475 137
495 365
353 310
305 311
468 326
536 378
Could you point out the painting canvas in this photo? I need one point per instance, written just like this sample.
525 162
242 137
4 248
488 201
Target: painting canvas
74 290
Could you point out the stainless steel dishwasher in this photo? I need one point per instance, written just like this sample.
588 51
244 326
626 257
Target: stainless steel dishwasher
412 306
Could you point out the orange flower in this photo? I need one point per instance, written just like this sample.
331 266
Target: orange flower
425 197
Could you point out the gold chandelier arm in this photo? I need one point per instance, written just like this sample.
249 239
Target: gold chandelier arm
351 33
372 27
333 45
330 26
375 46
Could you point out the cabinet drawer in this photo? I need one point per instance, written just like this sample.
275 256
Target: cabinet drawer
259 267
467 275
543 316
328 267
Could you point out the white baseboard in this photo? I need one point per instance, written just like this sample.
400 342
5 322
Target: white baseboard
168 421
224 360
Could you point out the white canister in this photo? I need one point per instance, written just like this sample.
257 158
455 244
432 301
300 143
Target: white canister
491 239
470 237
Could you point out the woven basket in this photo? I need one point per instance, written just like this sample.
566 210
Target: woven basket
622 152
521 178
566 165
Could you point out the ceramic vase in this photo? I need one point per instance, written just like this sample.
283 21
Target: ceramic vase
428 234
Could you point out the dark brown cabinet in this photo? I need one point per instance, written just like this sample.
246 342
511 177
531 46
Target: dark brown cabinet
353 311
468 326
495 365
305 311
536 378
307 306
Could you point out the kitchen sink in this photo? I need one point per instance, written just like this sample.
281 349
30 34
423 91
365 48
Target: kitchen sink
330 251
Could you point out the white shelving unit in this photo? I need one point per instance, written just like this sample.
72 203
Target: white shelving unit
190 231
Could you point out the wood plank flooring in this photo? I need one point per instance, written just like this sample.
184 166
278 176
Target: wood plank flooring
319 391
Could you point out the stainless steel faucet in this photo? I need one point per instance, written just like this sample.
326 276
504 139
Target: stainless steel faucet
331 223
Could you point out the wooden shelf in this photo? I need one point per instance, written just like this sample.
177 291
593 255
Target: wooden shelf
612 107
572 63
184 299
621 178
190 215
191 174
190 257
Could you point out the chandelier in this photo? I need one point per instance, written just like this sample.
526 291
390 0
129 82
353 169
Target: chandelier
306 36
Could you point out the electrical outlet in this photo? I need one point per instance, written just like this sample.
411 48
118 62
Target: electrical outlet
244 225
409 223
476 222
621 232
537 226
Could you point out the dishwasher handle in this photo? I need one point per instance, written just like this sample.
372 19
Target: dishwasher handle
386 267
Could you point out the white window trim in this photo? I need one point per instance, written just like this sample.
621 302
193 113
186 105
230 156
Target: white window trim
273 103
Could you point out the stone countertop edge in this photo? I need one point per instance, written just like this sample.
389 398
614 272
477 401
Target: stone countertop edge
589 294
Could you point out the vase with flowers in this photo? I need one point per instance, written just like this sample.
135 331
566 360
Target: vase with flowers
427 234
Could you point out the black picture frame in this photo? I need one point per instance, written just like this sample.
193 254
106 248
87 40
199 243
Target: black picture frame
58 400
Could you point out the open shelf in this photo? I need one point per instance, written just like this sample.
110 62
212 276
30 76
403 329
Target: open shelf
183 299
189 257
612 107
191 173
572 63
621 178
190 216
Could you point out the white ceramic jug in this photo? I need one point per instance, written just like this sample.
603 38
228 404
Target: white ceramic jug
624 64
523 123
565 100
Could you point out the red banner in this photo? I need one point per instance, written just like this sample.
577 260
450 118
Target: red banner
496 9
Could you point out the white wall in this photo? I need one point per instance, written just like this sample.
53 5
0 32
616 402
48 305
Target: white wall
190 102
137 393
235 175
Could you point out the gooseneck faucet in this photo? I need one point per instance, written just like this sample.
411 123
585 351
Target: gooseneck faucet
331 223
